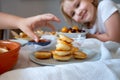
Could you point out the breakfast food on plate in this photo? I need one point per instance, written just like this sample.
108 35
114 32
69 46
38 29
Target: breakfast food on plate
74 49
79 55
64 51
63 48
65 38
64 29
39 33
62 55
23 35
73 29
43 54
61 45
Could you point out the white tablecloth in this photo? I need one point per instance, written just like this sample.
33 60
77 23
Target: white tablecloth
107 67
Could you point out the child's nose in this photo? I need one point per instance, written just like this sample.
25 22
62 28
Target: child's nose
78 12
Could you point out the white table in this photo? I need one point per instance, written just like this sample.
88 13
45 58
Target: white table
106 68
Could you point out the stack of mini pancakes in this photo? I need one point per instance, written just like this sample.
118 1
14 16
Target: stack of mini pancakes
65 50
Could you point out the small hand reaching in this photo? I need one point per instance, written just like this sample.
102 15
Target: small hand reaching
28 25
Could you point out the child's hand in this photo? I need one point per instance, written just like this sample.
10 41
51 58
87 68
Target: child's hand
97 33
88 35
28 25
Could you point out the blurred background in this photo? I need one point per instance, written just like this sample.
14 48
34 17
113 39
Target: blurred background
26 8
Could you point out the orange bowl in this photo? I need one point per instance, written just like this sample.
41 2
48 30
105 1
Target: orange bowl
9 59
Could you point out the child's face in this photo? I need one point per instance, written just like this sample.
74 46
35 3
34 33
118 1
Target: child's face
81 11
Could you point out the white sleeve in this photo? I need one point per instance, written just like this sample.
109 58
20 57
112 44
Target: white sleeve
107 8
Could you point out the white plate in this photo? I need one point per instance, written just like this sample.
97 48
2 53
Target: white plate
92 56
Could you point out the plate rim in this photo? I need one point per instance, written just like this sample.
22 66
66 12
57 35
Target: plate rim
34 59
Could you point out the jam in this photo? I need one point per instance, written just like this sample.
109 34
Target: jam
41 42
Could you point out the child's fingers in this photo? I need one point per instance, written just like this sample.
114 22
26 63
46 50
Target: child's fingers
46 17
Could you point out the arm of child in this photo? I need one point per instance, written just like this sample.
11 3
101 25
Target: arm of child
112 27
27 25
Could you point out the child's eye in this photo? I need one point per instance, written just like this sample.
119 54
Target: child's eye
77 5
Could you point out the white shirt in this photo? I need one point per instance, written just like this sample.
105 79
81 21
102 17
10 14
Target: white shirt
105 9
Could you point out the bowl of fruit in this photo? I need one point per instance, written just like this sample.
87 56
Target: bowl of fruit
73 32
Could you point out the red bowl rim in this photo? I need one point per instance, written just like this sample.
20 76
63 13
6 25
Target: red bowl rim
12 42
